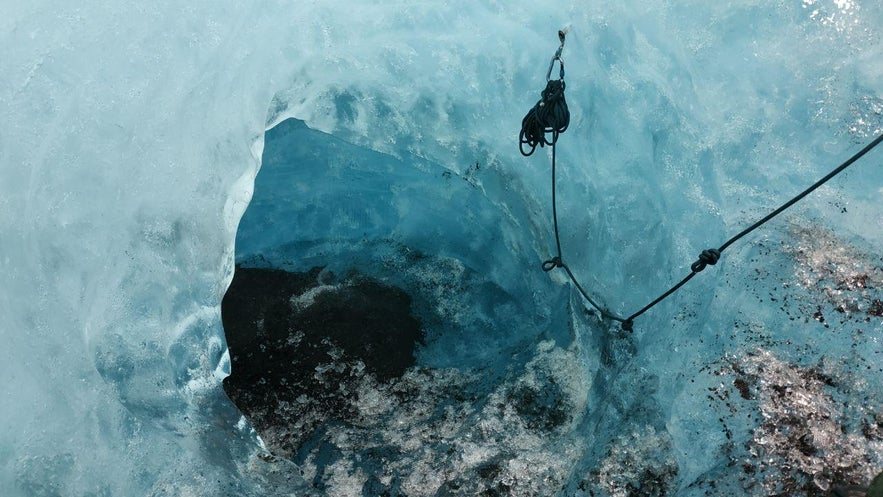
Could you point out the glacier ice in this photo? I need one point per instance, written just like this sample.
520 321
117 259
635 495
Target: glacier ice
132 141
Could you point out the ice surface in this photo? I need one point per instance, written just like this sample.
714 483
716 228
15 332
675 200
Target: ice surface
130 142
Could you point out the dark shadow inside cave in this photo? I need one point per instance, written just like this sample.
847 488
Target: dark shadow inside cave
301 341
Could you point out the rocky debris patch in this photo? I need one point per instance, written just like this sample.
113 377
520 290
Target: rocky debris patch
324 370
637 463
813 430
848 281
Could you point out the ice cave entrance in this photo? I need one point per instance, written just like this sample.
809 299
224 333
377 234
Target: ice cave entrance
366 282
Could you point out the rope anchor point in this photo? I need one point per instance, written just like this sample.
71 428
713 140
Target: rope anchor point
551 115
552 264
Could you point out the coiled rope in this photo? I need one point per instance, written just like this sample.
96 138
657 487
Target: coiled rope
550 115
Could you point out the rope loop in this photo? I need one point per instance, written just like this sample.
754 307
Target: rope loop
552 264
706 258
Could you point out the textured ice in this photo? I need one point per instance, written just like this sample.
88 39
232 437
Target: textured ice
132 138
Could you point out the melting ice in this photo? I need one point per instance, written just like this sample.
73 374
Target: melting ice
133 144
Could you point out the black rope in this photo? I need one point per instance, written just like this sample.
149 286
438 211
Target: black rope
550 115
806 192
708 257
711 256
557 261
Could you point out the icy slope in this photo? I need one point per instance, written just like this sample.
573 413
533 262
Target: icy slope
132 135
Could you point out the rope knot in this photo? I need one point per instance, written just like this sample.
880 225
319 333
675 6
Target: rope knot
706 258
552 264
628 325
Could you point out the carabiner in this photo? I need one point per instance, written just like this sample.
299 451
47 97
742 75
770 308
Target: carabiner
561 34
